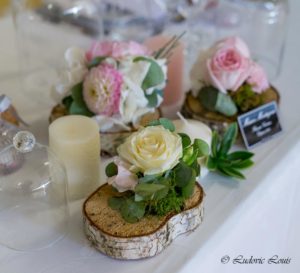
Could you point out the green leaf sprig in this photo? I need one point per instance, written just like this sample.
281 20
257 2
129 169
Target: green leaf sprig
228 164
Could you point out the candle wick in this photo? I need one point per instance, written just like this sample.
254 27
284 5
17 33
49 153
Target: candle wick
182 118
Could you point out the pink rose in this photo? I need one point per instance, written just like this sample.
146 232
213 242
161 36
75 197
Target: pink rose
258 78
234 42
102 90
116 49
225 65
125 180
227 69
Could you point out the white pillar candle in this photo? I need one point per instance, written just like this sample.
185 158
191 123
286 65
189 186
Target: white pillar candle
76 142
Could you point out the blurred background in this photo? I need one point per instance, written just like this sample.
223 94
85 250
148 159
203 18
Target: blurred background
44 29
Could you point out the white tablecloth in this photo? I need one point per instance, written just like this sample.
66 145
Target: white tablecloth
256 218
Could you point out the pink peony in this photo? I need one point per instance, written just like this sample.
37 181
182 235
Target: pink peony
228 64
258 78
102 90
125 180
116 49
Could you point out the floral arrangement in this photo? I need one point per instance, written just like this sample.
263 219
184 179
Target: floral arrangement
116 83
226 80
156 168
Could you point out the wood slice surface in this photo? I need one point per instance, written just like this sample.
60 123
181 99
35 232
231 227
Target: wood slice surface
115 237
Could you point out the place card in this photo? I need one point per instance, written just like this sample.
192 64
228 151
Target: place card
260 124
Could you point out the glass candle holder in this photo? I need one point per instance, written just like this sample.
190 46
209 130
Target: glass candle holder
33 198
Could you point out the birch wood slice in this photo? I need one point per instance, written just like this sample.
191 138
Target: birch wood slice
118 239
192 108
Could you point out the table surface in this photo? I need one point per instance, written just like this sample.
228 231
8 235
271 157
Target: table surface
256 218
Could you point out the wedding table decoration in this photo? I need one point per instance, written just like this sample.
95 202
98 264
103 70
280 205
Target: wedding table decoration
119 84
152 194
226 82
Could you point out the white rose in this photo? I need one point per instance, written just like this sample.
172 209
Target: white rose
153 150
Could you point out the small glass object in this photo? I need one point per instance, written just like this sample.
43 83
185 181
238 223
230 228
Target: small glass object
33 198
10 160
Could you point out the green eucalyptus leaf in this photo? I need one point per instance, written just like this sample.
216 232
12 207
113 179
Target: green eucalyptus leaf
116 202
138 198
183 174
67 101
188 190
78 106
168 124
146 189
225 105
185 139
216 101
148 178
78 109
228 139
163 192
155 75
132 211
111 169
96 61
152 99
202 147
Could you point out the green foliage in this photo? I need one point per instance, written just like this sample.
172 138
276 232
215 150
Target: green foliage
166 123
245 98
228 164
111 169
185 139
78 106
163 193
116 202
67 101
216 101
173 202
183 174
132 211
154 76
